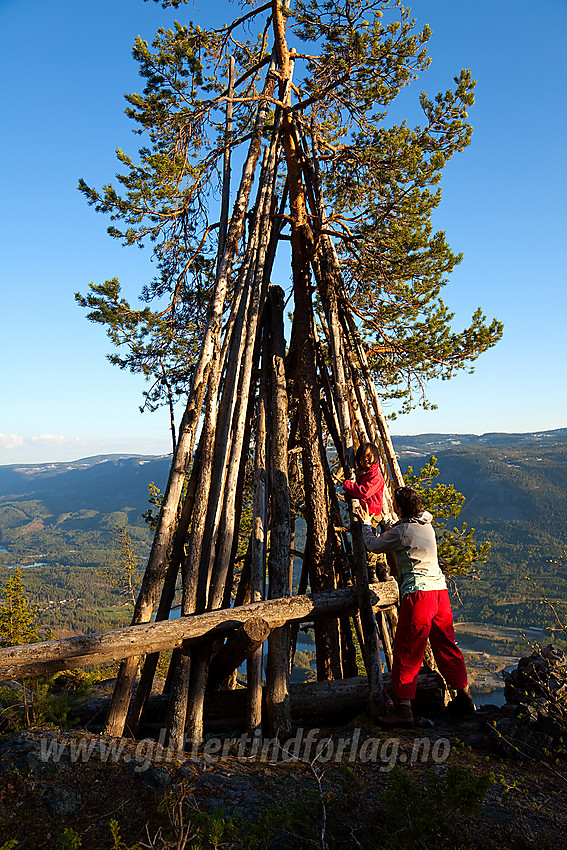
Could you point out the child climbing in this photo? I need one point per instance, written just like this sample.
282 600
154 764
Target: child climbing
425 610
369 489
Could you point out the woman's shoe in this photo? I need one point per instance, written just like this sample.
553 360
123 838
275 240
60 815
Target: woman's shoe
462 705
402 715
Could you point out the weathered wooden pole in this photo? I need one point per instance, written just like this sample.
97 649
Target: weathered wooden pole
380 418
324 546
227 527
238 648
168 513
328 291
258 544
168 593
278 668
225 201
213 573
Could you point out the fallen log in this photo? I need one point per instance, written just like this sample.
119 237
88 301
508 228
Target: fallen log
311 703
38 659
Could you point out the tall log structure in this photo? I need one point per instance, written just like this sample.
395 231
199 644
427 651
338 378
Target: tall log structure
272 402
241 384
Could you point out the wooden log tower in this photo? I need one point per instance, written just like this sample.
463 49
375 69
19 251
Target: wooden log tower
282 402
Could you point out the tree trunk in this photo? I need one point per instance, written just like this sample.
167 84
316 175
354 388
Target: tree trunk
258 546
226 163
168 593
168 513
321 535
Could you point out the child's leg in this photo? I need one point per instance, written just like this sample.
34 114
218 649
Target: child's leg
377 564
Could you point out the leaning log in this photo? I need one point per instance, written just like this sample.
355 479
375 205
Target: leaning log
38 659
258 551
278 666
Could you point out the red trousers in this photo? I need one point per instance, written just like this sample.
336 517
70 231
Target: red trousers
425 614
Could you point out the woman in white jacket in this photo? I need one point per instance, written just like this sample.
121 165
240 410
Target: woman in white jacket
425 610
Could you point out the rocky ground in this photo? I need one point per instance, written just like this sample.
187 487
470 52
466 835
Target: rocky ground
441 784
496 779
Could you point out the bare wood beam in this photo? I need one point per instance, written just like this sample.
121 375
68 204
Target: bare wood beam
277 671
312 703
37 659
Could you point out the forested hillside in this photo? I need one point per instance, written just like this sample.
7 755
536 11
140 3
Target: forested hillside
60 518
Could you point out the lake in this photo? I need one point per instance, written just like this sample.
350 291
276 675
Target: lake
23 566
27 566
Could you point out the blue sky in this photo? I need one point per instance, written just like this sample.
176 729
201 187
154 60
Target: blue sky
65 68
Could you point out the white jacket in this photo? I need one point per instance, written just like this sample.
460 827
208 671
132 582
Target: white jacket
415 547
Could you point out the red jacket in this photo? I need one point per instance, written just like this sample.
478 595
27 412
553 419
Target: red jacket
369 489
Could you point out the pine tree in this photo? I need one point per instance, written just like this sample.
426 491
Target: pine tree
315 84
123 573
459 554
17 616
379 184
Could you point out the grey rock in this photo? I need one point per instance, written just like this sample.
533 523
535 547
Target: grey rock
280 843
439 770
212 803
212 780
157 778
496 815
22 755
31 764
60 802
237 786
15 746
516 740
188 770
252 805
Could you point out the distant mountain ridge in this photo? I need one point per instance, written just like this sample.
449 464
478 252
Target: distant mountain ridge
516 496
17 476
423 443
503 476
500 474
94 482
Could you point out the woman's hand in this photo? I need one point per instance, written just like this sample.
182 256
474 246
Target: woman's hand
362 513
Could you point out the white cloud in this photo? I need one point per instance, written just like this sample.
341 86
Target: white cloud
48 438
11 441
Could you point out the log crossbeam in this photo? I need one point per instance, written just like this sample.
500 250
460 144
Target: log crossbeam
38 659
